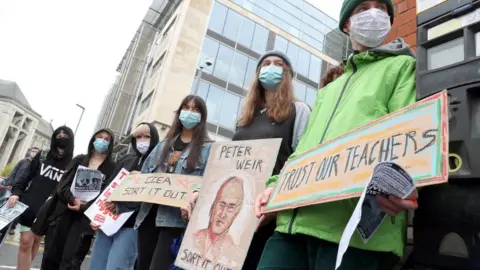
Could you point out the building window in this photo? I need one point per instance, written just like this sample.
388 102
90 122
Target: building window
281 44
311 96
214 103
223 106
260 39
250 74
232 25
300 19
303 62
157 65
300 90
223 62
167 31
228 117
209 49
202 88
246 32
217 17
315 68
238 69
146 102
292 53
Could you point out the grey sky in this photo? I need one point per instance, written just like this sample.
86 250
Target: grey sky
66 52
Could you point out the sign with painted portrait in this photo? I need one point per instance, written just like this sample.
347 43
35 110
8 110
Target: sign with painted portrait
223 222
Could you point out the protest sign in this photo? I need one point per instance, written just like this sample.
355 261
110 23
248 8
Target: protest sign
236 173
87 183
387 179
98 214
8 214
159 188
416 138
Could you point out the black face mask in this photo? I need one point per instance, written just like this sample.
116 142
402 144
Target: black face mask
62 143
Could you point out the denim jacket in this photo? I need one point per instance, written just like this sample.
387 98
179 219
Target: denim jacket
167 216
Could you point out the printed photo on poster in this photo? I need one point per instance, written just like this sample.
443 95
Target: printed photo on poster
87 183
8 214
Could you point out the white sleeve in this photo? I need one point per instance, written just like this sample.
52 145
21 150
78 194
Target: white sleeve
301 121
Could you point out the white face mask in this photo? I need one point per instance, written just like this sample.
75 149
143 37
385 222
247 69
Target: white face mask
370 27
143 147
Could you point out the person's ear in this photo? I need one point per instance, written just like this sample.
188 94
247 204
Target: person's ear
346 27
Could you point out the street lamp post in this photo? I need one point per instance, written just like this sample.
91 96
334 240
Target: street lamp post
206 61
80 119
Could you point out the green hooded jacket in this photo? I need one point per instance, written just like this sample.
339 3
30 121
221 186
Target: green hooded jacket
375 83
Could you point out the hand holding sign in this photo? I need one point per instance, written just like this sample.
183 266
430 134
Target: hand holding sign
415 137
390 190
95 227
12 200
393 205
262 200
76 205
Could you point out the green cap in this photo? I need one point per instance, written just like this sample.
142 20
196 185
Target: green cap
349 5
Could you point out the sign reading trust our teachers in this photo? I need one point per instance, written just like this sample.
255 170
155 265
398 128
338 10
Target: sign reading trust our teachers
416 138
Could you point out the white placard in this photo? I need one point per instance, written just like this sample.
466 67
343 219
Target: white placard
8 214
97 213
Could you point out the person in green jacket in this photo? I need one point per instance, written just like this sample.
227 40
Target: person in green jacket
378 80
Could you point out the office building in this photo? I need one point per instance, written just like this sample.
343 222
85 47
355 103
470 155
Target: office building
20 126
231 36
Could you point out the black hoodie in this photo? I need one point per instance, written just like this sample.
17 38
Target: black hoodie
35 185
134 162
106 168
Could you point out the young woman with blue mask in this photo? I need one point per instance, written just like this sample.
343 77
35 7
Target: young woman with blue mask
119 251
270 111
184 150
71 238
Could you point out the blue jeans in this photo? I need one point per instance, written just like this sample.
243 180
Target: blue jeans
116 252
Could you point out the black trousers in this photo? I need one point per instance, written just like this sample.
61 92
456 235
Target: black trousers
154 244
67 242
259 241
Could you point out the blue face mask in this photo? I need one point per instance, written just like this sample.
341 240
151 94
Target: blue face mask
101 145
270 77
189 119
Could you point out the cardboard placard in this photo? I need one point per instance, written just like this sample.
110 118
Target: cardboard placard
158 188
236 173
416 138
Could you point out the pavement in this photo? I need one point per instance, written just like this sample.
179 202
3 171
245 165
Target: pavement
9 250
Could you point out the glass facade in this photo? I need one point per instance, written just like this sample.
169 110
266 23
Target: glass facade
301 20
234 43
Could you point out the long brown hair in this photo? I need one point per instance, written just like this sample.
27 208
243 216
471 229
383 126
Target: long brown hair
281 107
200 133
331 75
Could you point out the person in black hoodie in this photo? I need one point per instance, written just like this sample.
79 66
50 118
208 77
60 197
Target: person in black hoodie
119 251
71 238
35 184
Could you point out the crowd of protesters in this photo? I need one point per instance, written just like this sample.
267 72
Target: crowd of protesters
374 81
